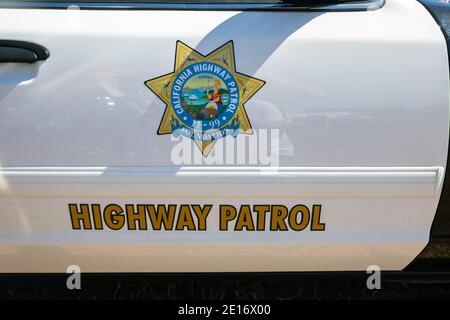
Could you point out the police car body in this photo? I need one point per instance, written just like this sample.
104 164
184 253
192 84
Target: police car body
215 136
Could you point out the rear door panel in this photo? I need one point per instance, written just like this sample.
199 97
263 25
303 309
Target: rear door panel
359 99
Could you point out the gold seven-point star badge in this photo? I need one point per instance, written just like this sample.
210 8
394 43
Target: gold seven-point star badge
205 96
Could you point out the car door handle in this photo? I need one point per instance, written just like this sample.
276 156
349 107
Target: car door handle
22 51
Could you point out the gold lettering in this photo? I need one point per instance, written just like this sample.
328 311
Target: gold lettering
279 214
261 211
114 218
202 214
162 215
77 216
227 213
316 225
245 219
97 215
138 216
304 221
185 218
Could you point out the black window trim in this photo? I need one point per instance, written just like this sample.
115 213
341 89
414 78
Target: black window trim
344 6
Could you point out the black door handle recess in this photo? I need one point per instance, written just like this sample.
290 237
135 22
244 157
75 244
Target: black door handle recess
22 51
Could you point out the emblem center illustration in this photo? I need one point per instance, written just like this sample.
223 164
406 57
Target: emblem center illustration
204 96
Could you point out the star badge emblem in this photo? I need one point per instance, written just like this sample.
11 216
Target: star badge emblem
204 96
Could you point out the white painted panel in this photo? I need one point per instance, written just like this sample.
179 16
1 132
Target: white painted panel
360 98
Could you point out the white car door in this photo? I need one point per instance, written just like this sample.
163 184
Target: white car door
218 137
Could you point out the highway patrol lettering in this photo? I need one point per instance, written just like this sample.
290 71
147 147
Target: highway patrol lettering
194 217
